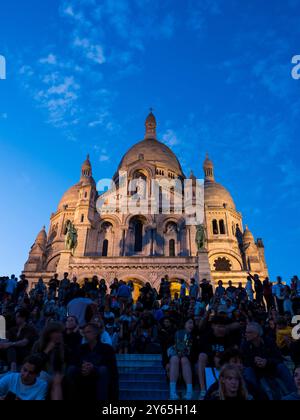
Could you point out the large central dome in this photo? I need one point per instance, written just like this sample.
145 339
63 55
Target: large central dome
153 151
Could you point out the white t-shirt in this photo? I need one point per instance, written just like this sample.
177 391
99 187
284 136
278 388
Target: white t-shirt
12 383
77 307
278 291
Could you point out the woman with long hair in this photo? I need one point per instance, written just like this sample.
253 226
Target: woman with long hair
51 347
231 385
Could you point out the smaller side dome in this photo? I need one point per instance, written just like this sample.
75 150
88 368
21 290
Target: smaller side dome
247 236
41 238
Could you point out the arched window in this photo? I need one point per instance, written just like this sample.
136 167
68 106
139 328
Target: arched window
160 200
82 218
172 200
172 248
215 227
138 236
222 227
105 248
222 264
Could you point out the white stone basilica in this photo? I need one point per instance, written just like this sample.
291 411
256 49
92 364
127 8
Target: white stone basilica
145 247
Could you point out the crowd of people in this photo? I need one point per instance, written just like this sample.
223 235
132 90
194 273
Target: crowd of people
227 343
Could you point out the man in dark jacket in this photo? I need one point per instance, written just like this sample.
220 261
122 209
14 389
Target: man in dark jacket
262 358
94 373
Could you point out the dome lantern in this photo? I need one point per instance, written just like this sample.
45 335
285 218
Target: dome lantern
208 167
86 169
150 126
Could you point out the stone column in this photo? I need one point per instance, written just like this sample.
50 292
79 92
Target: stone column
63 265
204 271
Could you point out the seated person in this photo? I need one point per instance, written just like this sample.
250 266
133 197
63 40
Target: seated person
283 336
166 336
180 358
211 347
24 385
234 357
231 386
19 340
262 359
52 350
94 373
295 396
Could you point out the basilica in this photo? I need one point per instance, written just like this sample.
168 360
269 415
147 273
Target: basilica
145 246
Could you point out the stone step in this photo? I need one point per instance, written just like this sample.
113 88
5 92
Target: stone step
141 370
145 362
144 395
149 357
141 377
143 382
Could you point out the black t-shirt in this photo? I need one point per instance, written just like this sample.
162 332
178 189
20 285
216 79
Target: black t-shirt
53 284
207 291
215 346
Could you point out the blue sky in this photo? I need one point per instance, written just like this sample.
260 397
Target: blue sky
81 76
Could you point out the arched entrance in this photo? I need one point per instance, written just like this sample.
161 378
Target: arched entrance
175 287
137 285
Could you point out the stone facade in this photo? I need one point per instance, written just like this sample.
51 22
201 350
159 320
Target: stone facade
145 246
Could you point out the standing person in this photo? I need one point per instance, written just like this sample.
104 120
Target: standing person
53 285
258 287
102 292
287 302
194 289
182 291
22 286
64 288
249 289
11 285
114 287
74 287
207 292
220 290
267 292
278 292
41 288
241 293
167 287
231 291
124 295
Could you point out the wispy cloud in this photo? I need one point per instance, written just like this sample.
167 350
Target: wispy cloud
50 59
170 138
92 52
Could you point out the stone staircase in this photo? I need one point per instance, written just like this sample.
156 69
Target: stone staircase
142 377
